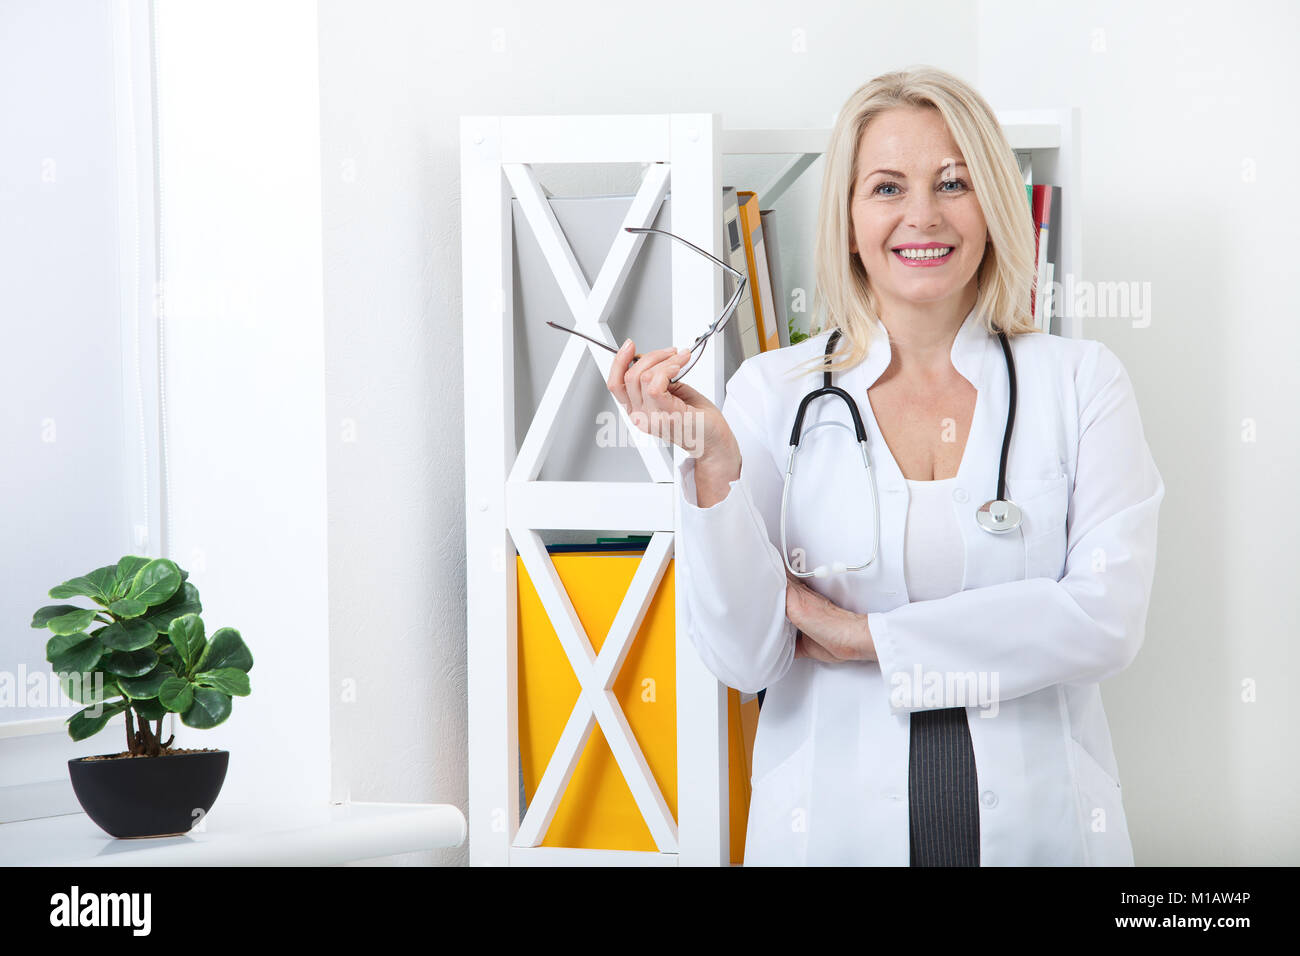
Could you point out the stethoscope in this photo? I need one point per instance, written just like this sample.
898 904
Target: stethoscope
996 517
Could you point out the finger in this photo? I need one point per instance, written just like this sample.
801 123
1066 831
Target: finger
791 595
618 369
632 379
654 380
660 401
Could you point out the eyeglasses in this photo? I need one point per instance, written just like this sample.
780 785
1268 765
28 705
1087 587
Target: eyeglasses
718 324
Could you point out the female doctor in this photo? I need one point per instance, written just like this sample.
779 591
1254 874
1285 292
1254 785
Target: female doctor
933 700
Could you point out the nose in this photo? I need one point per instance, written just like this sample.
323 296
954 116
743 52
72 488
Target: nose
922 209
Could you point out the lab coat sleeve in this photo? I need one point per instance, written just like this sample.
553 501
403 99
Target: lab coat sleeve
734 577
1033 633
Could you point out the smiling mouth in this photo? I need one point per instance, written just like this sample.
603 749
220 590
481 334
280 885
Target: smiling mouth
918 256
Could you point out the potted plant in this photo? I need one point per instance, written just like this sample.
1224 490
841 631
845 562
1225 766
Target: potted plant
147 657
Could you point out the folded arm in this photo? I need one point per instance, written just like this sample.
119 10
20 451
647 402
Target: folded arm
1037 632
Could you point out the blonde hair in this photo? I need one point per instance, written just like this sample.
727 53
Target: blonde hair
1005 276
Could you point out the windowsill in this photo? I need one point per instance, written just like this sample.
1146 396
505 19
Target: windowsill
236 834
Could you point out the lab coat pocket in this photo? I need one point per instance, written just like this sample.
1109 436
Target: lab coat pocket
777 831
1101 810
1043 504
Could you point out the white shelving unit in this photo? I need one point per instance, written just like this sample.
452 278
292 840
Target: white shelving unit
506 506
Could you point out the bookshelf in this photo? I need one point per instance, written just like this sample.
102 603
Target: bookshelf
506 506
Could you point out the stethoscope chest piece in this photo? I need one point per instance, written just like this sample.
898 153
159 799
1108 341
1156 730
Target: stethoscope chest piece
998 517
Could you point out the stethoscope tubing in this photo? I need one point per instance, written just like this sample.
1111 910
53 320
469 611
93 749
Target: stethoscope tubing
1006 518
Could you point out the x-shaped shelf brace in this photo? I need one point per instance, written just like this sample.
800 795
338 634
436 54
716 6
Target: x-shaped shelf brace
596 701
590 307
596 674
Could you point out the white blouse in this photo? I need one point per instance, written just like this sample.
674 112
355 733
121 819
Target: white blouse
934 557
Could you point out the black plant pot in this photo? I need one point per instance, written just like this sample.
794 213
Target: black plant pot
149 796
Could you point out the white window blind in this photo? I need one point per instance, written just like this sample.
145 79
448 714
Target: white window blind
80 469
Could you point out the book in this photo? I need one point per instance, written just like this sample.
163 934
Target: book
772 245
1051 321
744 319
1046 200
752 234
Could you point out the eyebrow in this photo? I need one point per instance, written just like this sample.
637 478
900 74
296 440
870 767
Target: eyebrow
902 175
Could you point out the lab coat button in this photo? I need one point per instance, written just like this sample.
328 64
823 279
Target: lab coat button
959 494
989 798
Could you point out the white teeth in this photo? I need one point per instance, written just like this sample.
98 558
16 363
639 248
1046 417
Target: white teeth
924 253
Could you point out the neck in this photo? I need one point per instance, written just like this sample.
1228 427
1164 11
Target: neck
921 334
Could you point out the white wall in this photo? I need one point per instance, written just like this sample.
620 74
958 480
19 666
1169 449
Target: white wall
244 333
1188 140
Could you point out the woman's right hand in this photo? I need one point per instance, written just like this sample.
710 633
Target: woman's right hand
676 413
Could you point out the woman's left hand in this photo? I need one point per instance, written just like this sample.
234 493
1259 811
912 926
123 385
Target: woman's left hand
827 632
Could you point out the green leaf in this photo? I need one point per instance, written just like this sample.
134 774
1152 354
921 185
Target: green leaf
88 687
155 582
102 578
131 663
127 635
186 635
83 724
226 649
210 708
46 614
176 694
73 652
228 680
184 601
97 585
151 709
127 608
127 568
72 622
143 688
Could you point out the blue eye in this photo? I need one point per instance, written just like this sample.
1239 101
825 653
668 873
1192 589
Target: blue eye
959 182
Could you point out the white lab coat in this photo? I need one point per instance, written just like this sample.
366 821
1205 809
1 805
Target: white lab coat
1048 610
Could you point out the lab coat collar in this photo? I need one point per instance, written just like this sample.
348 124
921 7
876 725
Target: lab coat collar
968 350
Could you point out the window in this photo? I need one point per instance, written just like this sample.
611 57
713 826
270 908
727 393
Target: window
79 409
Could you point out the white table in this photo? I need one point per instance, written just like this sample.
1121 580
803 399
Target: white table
241 834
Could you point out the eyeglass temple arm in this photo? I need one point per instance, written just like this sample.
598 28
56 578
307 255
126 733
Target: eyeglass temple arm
735 274
727 310
708 255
